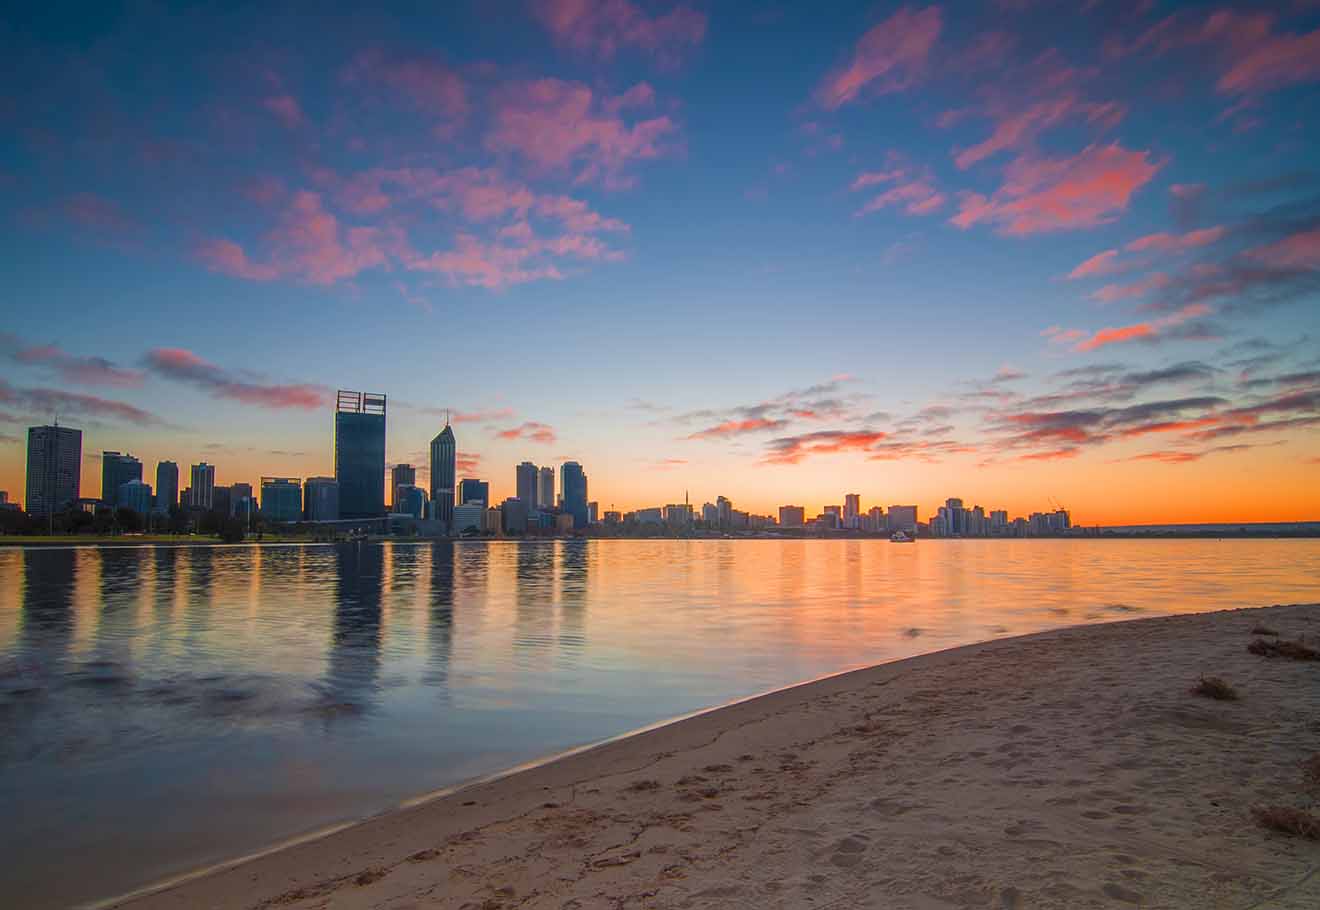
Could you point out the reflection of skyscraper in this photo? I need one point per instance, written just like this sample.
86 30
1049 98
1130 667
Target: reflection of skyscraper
573 561
355 645
527 481
54 469
117 470
50 577
573 484
534 584
444 457
167 485
441 629
360 454
545 488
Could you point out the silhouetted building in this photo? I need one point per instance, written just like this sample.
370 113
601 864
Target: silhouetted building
167 485
513 516
545 488
134 495
222 500
360 454
527 481
116 470
54 469
321 499
902 518
792 516
471 490
852 511
469 516
444 459
573 484
281 498
411 500
593 513
203 486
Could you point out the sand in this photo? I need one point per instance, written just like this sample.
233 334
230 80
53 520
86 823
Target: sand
1069 769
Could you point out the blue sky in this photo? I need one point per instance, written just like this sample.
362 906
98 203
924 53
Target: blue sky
647 228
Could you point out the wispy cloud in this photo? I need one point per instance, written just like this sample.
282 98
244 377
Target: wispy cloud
890 57
182 365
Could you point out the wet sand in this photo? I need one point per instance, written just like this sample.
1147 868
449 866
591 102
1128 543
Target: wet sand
1068 769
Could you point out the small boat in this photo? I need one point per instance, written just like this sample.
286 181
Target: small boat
900 537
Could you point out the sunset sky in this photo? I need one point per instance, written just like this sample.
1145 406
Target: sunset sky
1005 250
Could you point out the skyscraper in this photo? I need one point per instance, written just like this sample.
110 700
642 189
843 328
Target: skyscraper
545 488
54 469
401 475
117 470
360 454
321 499
470 490
281 498
134 495
573 483
203 486
852 510
167 485
444 457
528 478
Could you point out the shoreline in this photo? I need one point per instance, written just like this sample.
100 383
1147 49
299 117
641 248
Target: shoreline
697 763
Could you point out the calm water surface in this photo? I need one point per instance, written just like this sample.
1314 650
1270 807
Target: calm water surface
161 708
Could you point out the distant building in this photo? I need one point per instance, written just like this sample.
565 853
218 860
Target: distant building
360 454
469 516
401 475
837 514
203 486
710 514
875 519
281 498
593 513
167 486
54 470
678 516
513 516
792 516
573 483
613 517
321 499
649 516
902 518
134 495
828 519
564 523
527 479
723 511
444 467
852 511
412 501
116 470
222 500
494 520
545 488
470 490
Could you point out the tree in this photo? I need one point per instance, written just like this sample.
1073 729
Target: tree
127 519
233 530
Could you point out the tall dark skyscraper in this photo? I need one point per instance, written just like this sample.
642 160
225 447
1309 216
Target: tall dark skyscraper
444 457
573 486
167 486
54 469
527 480
545 488
360 454
117 470
471 490
203 486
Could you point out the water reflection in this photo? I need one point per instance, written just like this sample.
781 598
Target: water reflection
284 687
354 660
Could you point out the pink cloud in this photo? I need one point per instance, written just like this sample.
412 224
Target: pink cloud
563 126
466 462
1054 194
308 243
1141 330
1114 292
1176 243
182 365
1059 335
738 428
1099 264
286 109
794 449
892 55
604 27
917 198
1298 251
94 371
97 213
531 430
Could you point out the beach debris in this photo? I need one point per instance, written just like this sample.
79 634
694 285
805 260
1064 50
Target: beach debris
1311 771
1295 650
1288 820
1264 630
640 786
372 874
1216 688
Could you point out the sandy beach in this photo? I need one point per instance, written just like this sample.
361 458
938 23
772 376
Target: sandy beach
1068 769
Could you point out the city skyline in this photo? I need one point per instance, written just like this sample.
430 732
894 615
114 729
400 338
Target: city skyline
1031 255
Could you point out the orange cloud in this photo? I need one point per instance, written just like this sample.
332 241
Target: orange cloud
1117 335
1099 264
1054 194
738 427
536 432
